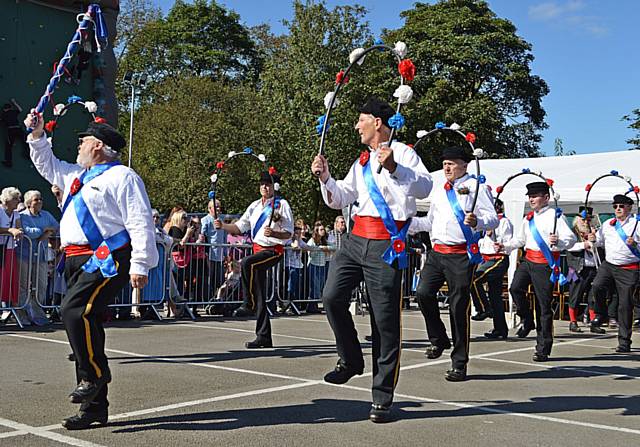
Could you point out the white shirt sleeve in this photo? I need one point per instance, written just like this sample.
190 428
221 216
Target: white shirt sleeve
485 211
343 192
411 176
566 236
51 168
518 240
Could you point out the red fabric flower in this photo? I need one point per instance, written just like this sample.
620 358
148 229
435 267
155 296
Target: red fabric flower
341 78
398 246
410 145
636 189
588 187
364 157
75 186
407 69
612 222
448 186
50 126
470 137
473 248
220 165
499 189
272 170
530 215
556 270
549 182
102 252
99 119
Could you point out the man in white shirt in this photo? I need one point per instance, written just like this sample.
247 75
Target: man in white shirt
454 229
622 262
108 238
536 235
268 249
492 270
386 202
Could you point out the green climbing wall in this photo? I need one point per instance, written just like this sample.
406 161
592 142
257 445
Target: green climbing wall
32 39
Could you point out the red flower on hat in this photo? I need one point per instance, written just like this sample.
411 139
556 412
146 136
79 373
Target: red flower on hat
272 170
220 165
398 246
364 158
50 126
341 78
99 119
499 189
588 187
530 215
407 69
102 252
75 186
448 186
470 137
473 248
636 189
549 182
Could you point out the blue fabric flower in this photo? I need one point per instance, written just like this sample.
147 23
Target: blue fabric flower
583 214
247 150
320 125
614 172
212 195
558 212
73 99
526 171
440 125
379 42
396 121
482 179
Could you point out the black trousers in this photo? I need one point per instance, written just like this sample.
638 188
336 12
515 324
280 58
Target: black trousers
456 270
254 281
492 273
625 282
359 259
82 311
578 289
537 275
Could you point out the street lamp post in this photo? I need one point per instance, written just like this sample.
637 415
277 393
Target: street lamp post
133 80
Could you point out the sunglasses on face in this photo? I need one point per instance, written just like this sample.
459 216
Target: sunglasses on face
156 217
618 205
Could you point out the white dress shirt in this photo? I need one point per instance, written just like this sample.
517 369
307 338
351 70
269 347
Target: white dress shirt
410 181
117 200
502 234
616 250
441 223
252 214
544 223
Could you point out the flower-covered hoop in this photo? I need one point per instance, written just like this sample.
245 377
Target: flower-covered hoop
548 181
404 93
59 110
470 138
632 188
247 151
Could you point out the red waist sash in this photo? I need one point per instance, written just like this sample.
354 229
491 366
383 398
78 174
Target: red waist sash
372 227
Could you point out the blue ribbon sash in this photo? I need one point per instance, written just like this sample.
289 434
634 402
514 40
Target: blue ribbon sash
397 248
556 274
624 238
473 251
266 212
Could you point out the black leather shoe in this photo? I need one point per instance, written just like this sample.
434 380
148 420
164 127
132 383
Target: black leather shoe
540 357
523 331
481 316
597 321
623 349
380 414
456 375
433 352
368 338
71 357
573 327
83 420
341 374
242 312
259 343
86 391
595 329
494 334
636 322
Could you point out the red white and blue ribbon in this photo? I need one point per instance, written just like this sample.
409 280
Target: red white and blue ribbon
554 263
471 237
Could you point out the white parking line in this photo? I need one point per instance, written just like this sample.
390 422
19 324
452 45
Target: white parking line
28 429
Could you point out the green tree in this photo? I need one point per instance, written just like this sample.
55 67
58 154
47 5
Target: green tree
634 120
559 150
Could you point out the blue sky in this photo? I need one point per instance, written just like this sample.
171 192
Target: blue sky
584 50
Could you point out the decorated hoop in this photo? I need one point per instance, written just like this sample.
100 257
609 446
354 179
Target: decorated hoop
470 138
246 152
404 93
632 189
59 110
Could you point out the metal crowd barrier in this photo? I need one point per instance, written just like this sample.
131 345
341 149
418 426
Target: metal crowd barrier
15 279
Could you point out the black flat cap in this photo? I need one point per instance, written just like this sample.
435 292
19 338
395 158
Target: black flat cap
537 188
105 133
266 178
588 209
455 153
378 108
622 199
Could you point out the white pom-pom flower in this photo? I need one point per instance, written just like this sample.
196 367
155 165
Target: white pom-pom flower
231 154
404 93
627 178
327 100
478 152
400 49
421 133
214 178
556 196
276 186
356 55
50 140
58 110
262 158
455 126
91 106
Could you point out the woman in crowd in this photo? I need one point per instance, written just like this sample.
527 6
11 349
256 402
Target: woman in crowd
317 265
181 233
10 232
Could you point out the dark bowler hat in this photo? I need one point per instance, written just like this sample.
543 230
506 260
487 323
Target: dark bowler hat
588 209
622 199
105 133
379 109
266 178
537 188
455 153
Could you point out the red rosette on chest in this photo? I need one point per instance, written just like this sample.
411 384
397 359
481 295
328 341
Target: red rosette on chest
474 249
448 186
530 215
102 252
398 246
75 186
364 157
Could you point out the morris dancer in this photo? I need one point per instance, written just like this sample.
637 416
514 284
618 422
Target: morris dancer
386 204
108 238
621 266
454 256
268 249
537 237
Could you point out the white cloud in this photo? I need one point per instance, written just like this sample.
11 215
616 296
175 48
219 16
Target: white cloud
567 14
554 10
